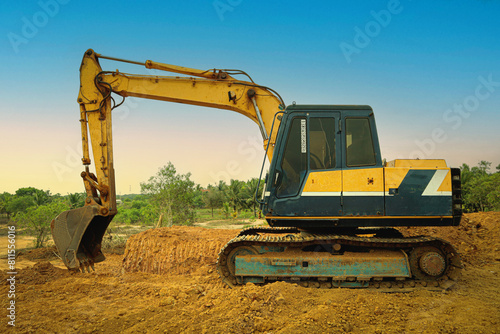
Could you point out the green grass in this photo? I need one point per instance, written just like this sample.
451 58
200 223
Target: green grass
203 215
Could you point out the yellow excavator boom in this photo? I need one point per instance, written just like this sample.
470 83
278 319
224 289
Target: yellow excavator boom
78 233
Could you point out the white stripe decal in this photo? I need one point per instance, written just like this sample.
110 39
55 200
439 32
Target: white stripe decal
321 193
346 193
363 193
435 183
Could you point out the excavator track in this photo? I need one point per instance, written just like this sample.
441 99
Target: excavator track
433 263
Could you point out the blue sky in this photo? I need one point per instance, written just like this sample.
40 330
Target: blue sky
430 70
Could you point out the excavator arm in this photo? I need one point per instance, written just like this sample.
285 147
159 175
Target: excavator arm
78 233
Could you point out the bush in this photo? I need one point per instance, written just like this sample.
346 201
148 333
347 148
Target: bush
36 220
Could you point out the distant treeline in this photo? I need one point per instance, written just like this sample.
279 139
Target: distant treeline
172 199
480 187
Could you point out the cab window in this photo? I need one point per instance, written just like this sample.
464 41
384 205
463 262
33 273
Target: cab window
321 143
294 163
359 143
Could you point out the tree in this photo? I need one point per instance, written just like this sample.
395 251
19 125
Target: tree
25 198
172 194
148 214
480 190
226 209
221 186
484 166
213 198
5 199
25 191
492 189
234 194
39 196
249 191
76 200
19 204
36 220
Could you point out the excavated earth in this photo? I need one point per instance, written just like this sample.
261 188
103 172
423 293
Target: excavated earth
180 292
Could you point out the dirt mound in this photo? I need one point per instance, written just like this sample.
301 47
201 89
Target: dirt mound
47 253
174 250
40 273
187 296
477 238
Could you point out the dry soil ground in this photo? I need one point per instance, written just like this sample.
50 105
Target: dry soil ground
183 294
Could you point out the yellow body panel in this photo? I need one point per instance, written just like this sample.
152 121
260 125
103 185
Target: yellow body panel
417 163
446 185
394 177
363 180
326 181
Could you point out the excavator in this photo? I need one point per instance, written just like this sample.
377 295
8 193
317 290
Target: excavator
332 203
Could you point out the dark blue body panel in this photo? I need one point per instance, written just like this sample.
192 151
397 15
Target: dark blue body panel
408 201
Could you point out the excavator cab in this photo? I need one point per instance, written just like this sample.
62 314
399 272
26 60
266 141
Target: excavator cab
327 172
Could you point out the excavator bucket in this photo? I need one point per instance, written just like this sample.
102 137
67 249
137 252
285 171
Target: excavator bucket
78 234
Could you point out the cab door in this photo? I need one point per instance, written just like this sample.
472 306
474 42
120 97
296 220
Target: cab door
308 176
362 173
322 190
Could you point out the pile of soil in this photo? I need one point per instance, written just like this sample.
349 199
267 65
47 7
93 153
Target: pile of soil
476 238
185 294
40 273
174 250
46 253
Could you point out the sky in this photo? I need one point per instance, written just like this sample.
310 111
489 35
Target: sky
429 69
